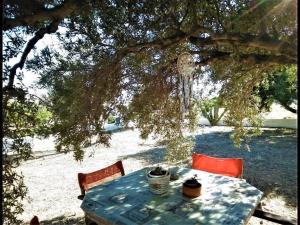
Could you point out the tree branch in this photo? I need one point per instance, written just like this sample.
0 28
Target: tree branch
61 11
57 14
138 47
211 57
218 14
51 28
185 14
250 58
271 59
262 42
289 108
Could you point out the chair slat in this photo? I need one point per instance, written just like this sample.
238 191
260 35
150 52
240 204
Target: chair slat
89 180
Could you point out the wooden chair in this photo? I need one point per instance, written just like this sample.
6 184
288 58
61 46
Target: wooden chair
89 180
34 221
233 167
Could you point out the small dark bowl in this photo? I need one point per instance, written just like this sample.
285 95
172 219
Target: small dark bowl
191 188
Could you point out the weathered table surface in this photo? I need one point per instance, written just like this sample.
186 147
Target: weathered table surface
128 201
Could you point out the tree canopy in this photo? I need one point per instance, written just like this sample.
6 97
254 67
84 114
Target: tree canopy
280 86
121 56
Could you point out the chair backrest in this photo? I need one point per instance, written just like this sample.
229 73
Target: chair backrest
232 167
34 221
89 180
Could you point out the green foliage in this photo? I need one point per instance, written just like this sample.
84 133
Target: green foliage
241 104
179 148
279 86
14 190
158 171
120 56
210 110
23 118
111 119
119 47
43 122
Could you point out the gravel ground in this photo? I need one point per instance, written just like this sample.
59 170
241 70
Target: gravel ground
51 178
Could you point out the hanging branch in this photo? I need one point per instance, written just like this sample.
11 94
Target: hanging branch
51 28
56 14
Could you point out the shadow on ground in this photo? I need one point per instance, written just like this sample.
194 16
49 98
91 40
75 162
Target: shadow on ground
151 156
43 154
64 220
119 129
270 164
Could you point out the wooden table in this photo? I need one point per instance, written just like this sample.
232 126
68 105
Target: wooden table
128 201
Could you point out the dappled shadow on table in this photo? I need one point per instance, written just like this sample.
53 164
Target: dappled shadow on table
131 199
270 165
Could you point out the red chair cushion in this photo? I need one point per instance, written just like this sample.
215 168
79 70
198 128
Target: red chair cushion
232 167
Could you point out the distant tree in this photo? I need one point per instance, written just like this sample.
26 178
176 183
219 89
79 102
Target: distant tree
279 86
121 55
111 119
210 110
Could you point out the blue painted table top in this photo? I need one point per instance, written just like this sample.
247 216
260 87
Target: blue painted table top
128 201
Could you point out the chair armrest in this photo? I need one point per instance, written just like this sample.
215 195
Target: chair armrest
80 197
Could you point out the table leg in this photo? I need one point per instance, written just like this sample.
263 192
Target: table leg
89 221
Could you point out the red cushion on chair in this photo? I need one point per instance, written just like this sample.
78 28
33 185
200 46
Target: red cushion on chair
232 167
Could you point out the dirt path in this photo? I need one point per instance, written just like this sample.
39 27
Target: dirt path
51 178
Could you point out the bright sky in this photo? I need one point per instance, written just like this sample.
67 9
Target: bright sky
31 78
